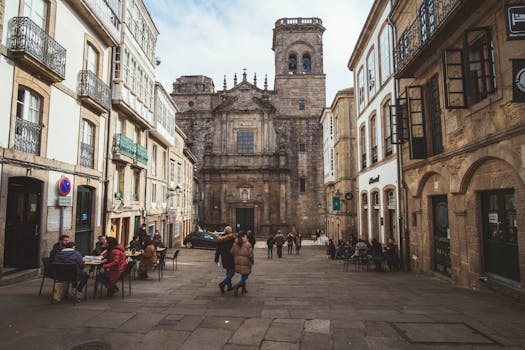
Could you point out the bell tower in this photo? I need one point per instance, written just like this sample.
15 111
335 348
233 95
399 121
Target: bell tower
300 81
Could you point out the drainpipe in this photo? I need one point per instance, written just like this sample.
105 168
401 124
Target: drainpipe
404 248
352 179
108 147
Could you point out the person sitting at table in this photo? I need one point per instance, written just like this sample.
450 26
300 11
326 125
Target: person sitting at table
116 264
58 246
69 255
135 245
361 245
100 246
148 258
390 254
377 254
157 240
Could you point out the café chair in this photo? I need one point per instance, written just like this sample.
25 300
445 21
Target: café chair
174 258
161 262
65 273
46 272
127 275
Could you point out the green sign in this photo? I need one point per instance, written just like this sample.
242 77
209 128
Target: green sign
336 203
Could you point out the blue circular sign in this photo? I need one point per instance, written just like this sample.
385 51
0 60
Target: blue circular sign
64 186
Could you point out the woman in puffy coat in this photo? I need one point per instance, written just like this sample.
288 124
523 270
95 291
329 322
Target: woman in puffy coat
242 252
148 259
115 266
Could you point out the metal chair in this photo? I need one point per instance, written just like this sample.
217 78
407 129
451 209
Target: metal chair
65 273
161 262
47 272
127 274
175 256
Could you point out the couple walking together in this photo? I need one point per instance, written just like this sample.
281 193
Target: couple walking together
236 255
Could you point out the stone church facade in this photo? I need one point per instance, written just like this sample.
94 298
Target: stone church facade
259 154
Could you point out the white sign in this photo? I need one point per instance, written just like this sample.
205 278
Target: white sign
493 218
65 201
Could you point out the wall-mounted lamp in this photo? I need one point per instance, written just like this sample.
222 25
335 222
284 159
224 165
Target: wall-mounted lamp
29 172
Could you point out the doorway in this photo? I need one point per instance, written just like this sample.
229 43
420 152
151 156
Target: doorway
244 219
442 262
500 234
84 228
22 233
125 238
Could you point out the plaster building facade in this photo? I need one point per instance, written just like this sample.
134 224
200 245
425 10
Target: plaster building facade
258 155
377 164
54 107
133 105
460 117
339 147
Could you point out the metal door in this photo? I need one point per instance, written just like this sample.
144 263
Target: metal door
22 223
84 228
442 263
500 234
244 219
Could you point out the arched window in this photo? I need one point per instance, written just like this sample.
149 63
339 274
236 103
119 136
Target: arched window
306 63
292 63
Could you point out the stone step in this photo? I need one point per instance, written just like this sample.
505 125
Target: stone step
19 276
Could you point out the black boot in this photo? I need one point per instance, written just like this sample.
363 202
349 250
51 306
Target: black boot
236 289
230 287
244 290
221 287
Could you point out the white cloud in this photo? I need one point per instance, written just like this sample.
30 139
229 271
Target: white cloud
217 38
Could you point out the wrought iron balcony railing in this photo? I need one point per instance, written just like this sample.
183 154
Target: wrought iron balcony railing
87 155
27 136
89 85
124 145
25 36
431 16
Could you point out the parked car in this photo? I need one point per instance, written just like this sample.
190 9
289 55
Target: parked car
200 239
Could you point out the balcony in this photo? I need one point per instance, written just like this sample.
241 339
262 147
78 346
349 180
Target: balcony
34 47
93 91
87 155
103 16
141 154
431 17
123 147
27 136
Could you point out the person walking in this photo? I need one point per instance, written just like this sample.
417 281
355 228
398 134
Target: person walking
223 250
290 239
270 242
251 238
279 242
298 242
242 252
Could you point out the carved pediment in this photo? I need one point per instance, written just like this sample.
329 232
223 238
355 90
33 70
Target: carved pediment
244 97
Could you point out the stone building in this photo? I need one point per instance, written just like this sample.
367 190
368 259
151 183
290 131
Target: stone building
460 116
258 155
54 109
372 65
339 147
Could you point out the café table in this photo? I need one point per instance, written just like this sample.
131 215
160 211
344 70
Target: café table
94 266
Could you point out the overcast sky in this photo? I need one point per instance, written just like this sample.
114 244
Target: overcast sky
221 37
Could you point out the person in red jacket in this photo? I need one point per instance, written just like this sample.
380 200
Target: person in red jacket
115 266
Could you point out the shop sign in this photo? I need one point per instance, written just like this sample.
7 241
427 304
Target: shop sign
336 203
515 21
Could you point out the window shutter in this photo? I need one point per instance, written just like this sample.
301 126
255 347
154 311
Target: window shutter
398 121
454 73
485 63
416 122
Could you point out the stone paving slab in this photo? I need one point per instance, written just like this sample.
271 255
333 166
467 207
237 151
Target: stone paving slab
304 301
442 333
251 332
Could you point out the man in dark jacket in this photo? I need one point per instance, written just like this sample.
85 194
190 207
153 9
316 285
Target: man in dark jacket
58 246
69 255
279 242
224 245
270 242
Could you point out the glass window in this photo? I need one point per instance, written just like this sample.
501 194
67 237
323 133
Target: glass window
136 185
371 66
302 106
154 160
172 171
302 184
91 59
362 144
245 142
384 53
28 105
373 138
361 88
302 147
87 132
387 130
37 11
